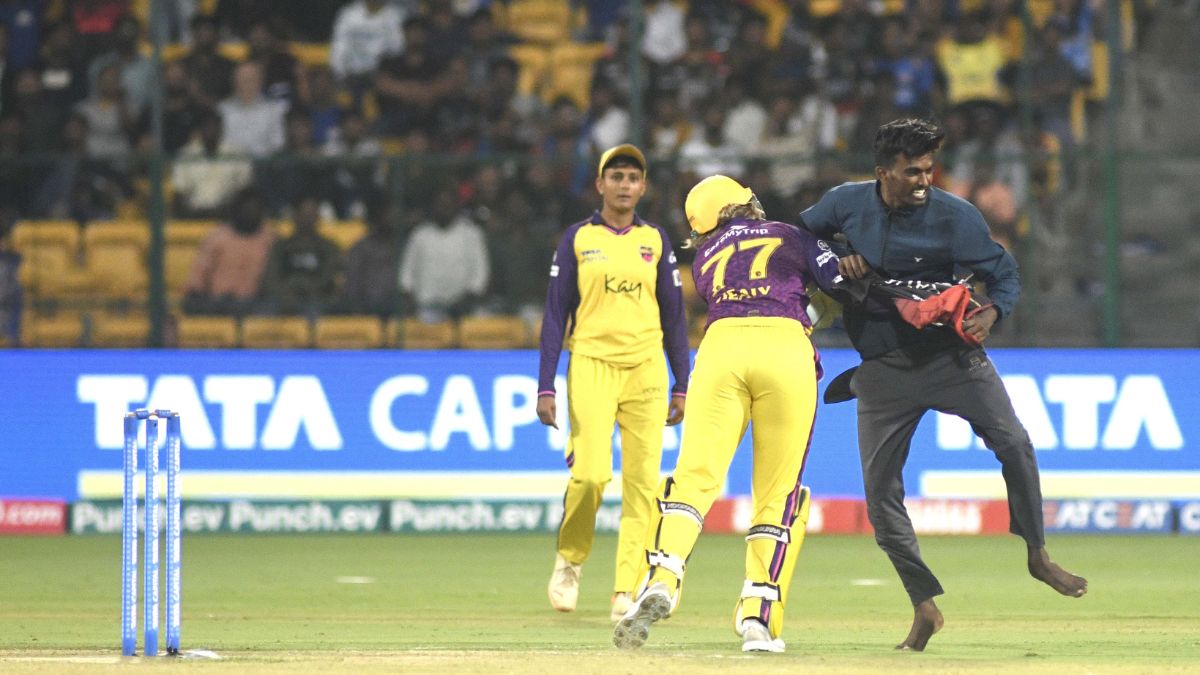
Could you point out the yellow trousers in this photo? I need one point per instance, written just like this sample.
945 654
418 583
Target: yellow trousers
759 370
600 394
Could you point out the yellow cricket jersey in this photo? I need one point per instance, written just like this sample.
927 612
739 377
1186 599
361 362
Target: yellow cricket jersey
622 295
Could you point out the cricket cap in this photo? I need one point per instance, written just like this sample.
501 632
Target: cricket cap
623 150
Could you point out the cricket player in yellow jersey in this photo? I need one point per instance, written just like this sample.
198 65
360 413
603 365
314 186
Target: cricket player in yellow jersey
616 297
755 363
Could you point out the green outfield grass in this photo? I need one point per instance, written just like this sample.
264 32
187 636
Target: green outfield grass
476 604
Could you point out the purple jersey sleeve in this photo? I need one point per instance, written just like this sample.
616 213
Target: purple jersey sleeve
761 268
669 292
562 297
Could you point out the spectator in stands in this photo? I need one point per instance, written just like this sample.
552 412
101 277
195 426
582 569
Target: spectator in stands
95 21
282 73
447 34
1052 81
11 294
746 121
371 263
63 71
444 269
409 85
324 108
670 127
303 270
111 122
181 111
228 269
749 56
17 178
22 20
499 95
136 71
561 142
709 152
252 122
43 119
484 47
699 74
210 73
298 168
664 39
359 170
517 249
795 137
208 172
7 74
974 64
878 108
912 72
551 201
995 201
78 186
606 123
364 32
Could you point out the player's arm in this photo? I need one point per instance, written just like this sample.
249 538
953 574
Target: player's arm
669 292
562 297
824 221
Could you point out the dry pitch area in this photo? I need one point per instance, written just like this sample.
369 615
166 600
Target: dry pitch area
476 604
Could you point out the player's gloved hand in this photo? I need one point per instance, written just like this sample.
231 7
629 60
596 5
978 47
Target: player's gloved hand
675 411
547 410
853 266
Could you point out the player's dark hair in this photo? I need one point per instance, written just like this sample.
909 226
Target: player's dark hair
909 136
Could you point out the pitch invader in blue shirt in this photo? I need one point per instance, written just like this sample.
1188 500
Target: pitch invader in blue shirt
904 228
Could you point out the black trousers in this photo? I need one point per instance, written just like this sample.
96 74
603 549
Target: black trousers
894 391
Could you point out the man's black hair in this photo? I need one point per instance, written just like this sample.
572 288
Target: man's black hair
909 136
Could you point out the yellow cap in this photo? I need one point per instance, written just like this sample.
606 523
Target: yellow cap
705 201
623 150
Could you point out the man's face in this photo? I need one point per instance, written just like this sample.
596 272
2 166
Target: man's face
907 181
621 187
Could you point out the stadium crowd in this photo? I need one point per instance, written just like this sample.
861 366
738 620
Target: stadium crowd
463 132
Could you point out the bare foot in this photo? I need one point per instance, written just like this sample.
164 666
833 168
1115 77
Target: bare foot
1048 572
927 620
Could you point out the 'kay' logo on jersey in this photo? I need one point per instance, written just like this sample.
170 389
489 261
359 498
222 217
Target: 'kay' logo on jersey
647 253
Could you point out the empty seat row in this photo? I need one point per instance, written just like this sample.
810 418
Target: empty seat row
68 329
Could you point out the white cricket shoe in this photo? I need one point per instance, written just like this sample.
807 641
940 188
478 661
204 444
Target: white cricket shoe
564 584
654 604
621 602
756 638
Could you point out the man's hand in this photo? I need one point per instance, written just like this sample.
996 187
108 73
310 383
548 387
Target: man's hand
547 410
675 411
980 325
853 266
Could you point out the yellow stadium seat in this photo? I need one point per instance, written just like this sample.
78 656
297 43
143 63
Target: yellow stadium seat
415 334
310 53
189 231
571 68
276 332
348 332
534 63
177 265
51 262
116 257
207 332
493 332
345 233
64 329
544 21
120 330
